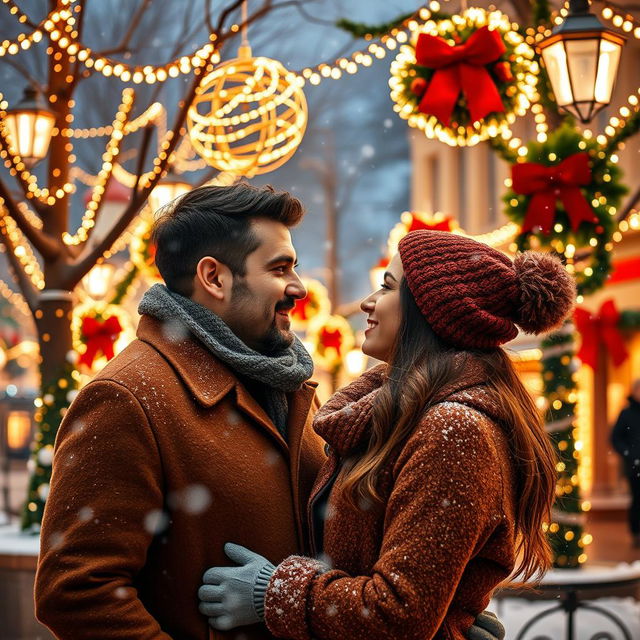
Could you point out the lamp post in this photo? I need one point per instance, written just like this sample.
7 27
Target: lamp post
29 127
581 57
169 188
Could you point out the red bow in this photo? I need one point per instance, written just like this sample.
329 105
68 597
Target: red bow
547 184
602 327
331 339
100 338
460 68
417 223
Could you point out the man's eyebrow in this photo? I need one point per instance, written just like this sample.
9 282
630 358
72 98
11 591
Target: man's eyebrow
283 258
388 274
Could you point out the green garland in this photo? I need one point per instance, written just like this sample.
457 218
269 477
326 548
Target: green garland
629 320
368 31
562 143
565 532
56 395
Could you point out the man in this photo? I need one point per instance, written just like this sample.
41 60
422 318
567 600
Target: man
198 433
625 438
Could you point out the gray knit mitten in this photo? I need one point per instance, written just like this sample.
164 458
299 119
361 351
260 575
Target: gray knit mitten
234 596
486 627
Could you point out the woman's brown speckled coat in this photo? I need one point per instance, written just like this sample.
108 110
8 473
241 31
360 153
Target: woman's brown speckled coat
427 564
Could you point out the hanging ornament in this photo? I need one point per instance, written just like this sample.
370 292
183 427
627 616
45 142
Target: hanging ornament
564 193
332 339
464 79
316 303
249 115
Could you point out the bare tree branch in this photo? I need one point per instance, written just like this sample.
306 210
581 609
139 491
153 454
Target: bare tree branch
123 47
45 244
25 73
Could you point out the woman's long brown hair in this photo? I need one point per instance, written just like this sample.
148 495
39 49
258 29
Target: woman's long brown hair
421 366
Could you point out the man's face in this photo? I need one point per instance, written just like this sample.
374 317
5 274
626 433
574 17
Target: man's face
258 312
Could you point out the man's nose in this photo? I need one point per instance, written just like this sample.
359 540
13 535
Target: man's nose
295 288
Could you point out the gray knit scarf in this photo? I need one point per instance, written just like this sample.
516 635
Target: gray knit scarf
277 374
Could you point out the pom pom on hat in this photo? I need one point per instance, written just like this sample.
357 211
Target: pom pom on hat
547 291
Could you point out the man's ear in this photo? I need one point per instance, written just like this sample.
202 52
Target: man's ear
214 277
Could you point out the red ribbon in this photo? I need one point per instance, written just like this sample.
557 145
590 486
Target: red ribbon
460 68
100 337
417 223
595 329
547 184
331 339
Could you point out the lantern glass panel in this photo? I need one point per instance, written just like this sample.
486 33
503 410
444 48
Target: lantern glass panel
607 69
18 430
582 56
555 61
42 135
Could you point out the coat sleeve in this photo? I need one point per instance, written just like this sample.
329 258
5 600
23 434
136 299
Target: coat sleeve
621 434
104 502
445 503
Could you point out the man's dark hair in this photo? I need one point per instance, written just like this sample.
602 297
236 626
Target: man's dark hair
215 221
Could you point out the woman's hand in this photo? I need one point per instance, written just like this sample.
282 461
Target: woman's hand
234 596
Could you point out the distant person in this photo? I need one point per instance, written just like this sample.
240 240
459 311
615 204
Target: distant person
440 473
625 439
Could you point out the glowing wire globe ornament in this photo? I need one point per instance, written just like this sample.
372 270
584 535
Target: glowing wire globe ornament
249 115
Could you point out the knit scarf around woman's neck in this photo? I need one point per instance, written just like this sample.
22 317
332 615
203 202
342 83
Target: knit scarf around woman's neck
281 372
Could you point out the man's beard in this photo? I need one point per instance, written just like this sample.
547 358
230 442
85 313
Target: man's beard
274 339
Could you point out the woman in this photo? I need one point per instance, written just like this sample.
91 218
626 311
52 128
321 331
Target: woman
440 474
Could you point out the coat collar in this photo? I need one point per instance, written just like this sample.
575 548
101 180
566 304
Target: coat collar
345 423
206 377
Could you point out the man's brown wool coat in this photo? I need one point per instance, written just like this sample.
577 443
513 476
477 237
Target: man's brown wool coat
426 564
160 460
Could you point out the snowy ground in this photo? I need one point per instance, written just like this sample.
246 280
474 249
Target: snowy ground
515 613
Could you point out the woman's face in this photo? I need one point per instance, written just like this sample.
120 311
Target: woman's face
383 314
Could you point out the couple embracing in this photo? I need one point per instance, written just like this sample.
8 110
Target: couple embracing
200 491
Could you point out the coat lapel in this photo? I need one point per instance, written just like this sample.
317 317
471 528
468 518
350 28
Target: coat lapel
299 408
208 379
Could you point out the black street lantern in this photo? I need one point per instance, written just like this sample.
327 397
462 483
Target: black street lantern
29 126
581 57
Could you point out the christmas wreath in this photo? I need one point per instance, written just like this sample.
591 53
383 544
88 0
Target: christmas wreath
331 338
96 327
465 78
564 194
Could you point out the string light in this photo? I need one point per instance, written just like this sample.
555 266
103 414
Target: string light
112 150
15 299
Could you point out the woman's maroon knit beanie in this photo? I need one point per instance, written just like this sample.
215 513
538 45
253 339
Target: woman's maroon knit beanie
473 296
